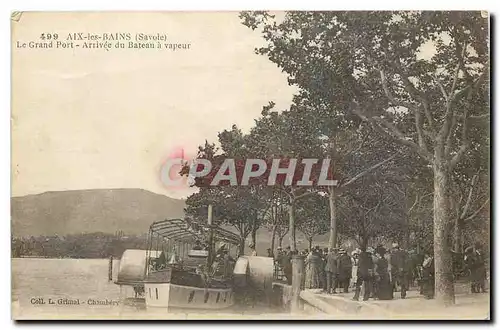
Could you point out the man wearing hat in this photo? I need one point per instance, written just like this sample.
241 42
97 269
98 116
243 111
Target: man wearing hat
252 247
428 275
270 253
331 271
365 274
471 264
286 263
228 262
399 265
344 270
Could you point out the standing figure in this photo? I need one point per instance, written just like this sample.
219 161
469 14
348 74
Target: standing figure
252 247
428 276
321 267
270 253
286 263
373 289
481 269
228 263
383 282
344 270
312 264
399 269
331 270
355 261
475 267
324 254
364 274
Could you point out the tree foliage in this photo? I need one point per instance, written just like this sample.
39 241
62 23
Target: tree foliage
417 77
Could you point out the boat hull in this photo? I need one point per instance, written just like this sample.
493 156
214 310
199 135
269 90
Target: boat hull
168 295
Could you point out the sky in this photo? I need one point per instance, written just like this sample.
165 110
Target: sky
92 119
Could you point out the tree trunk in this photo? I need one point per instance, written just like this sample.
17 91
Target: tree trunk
254 233
364 242
332 197
291 218
241 248
280 241
457 235
407 232
273 239
442 253
310 240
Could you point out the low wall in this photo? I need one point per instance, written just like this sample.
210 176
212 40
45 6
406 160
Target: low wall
281 296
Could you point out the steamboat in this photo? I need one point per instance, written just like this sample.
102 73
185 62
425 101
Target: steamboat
188 265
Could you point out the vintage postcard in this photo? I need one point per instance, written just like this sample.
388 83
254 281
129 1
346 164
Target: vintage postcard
250 165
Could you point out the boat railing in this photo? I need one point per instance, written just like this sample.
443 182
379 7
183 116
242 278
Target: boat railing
279 274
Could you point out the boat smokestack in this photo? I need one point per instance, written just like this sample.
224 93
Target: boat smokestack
210 214
110 268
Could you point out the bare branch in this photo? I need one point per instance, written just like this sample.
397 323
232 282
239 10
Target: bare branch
389 95
414 204
465 141
378 123
472 85
465 126
469 197
473 215
416 110
460 65
479 117
441 87
420 133
412 90
460 53
449 143
368 170
305 195
353 151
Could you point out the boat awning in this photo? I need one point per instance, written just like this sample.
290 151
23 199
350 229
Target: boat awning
183 230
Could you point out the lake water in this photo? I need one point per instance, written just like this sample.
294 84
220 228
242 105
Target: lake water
86 281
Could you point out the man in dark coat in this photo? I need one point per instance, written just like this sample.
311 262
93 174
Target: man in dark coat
286 263
474 264
228 263
344 270
399 269
331 269
428 275
365 274
324 254
383 288
481 269
270 253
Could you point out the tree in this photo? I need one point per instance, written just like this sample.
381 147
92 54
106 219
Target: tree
276 219
376 63
312 216
345 151
374 211
239 206
285 136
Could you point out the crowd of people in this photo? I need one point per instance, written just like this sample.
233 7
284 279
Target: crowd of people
379 272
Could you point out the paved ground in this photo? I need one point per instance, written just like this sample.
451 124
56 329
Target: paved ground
467 306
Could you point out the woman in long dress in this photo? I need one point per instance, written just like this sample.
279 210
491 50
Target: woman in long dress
383 284
312 261
428 276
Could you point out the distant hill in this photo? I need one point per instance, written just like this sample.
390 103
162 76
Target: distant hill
83 211
107 210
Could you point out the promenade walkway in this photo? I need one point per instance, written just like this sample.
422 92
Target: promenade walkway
415 306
